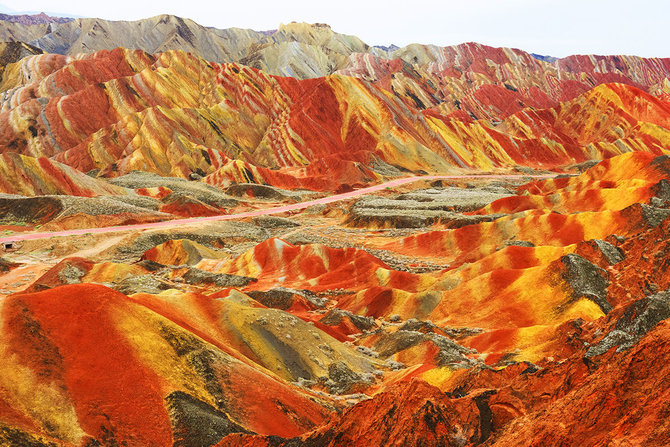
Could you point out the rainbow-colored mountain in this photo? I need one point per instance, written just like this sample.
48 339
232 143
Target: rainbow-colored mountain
507 284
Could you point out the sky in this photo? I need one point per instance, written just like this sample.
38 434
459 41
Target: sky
550 27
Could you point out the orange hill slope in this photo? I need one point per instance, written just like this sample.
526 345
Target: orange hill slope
612 184
609 113
578 324
609 198
83 363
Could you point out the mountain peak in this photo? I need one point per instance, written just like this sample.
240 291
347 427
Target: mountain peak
304 27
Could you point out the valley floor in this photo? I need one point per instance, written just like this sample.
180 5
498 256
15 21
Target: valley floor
504 311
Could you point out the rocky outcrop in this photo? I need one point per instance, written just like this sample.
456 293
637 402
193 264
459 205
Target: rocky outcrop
284 298
179 189
637 319
141 284
447 352
197 276
425 207
196 423
336 317
6 266
586 280
261 192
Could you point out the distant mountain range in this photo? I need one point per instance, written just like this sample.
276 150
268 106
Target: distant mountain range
297 49
33 19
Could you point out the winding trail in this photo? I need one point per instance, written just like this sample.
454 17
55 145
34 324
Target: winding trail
276 210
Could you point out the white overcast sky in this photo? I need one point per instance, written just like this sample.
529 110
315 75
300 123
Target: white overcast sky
550 27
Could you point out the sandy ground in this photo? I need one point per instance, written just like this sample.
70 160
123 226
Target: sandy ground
20 278
270 211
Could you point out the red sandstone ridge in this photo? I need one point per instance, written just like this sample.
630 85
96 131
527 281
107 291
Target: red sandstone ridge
236 124
474 81
414 413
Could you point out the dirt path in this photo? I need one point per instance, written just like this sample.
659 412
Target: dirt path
277 210
97 248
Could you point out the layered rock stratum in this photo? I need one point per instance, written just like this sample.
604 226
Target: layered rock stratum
514 293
